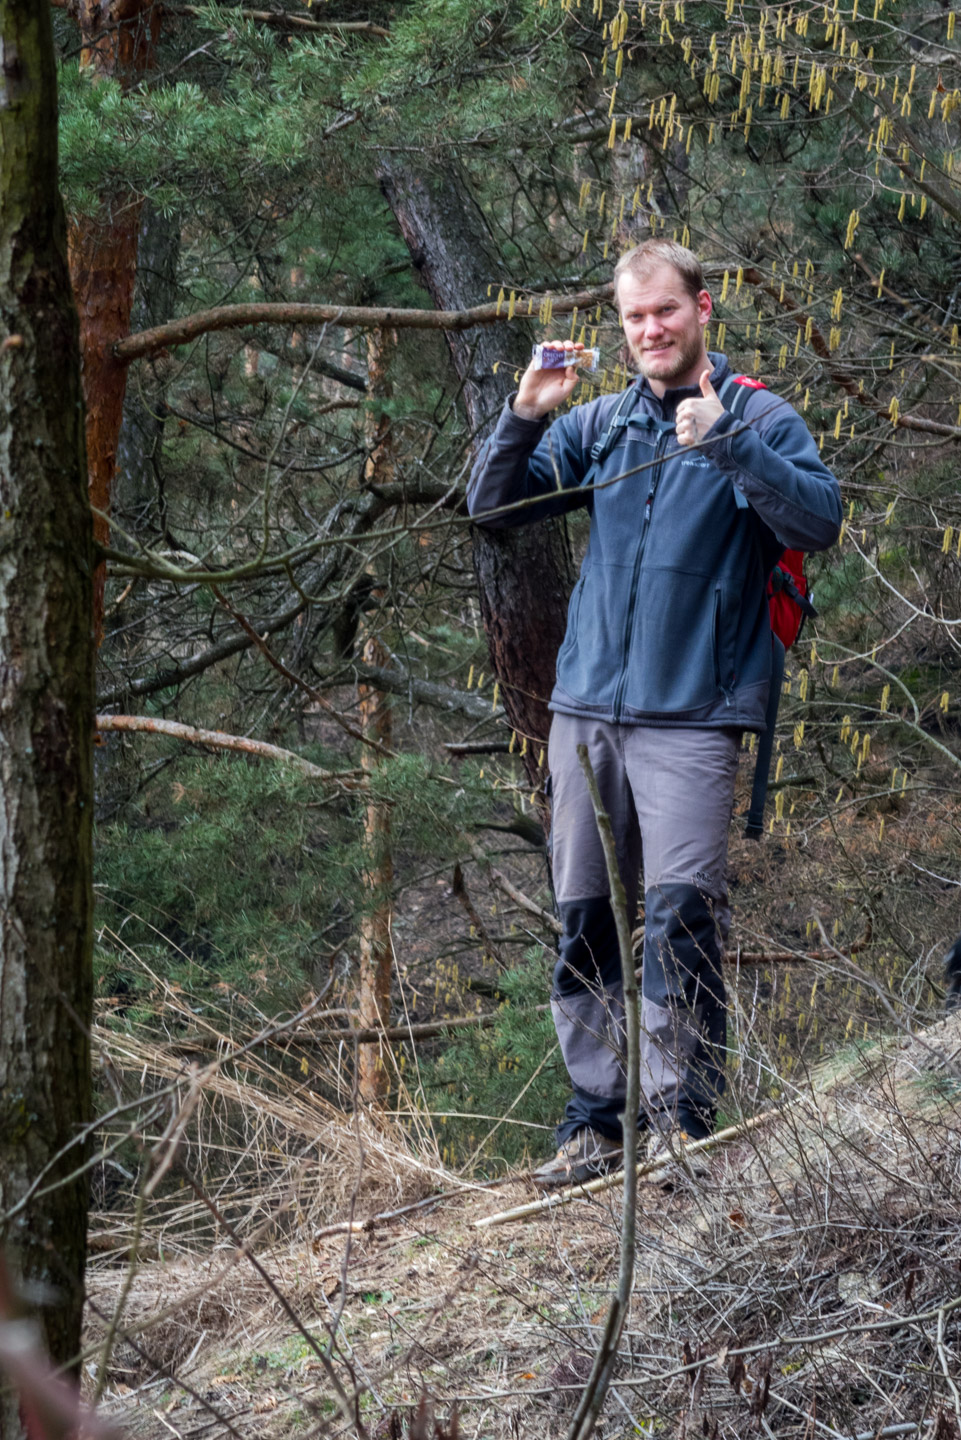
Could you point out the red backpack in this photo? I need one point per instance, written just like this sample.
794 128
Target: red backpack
789 604
788 595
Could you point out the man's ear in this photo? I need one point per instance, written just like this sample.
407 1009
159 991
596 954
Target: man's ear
705 306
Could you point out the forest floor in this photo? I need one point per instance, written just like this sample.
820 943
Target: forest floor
805 1281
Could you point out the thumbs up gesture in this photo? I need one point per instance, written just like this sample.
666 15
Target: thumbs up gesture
694 418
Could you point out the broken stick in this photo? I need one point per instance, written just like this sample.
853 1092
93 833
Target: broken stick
606 1182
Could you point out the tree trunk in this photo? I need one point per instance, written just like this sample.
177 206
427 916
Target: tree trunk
525 576
376 952
103 266
46 709
117 38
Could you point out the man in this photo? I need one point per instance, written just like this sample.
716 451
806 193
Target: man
666 661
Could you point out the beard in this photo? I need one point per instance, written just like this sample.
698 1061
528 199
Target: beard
681 357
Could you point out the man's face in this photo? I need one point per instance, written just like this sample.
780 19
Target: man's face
664 327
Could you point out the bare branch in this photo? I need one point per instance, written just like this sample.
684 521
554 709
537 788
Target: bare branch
217 740
359 317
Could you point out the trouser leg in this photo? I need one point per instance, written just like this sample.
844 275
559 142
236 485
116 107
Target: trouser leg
588 995
683 784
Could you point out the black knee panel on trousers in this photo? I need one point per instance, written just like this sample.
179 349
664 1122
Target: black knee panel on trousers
682 949
952 976
590 956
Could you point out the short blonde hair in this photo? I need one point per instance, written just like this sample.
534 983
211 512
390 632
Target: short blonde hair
651 254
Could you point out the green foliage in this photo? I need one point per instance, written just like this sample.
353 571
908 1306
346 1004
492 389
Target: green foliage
232 876
513 1070
270 147
228 878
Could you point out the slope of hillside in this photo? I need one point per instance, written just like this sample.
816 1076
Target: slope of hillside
807 1283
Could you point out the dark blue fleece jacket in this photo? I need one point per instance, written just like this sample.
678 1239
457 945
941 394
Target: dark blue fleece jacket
668 624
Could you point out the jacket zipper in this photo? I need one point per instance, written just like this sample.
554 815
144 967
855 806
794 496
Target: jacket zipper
659 443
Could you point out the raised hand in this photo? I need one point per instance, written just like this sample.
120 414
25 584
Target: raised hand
541 391
694 418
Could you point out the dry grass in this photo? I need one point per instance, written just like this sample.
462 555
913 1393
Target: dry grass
826 1248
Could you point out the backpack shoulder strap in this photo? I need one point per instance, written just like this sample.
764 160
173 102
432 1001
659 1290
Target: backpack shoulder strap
734 394
619 417
736 391
602 448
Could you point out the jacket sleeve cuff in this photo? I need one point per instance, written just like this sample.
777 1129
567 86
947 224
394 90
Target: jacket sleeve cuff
516 430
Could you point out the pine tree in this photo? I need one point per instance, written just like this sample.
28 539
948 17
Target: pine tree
46 713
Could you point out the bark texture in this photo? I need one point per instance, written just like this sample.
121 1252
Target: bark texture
46 707
103 265
376 951
117 39
525 576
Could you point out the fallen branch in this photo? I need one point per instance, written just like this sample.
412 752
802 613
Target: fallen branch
607 1182
511 890
218 740
425 1031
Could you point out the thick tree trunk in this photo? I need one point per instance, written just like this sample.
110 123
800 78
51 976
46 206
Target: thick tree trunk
525 576
46 708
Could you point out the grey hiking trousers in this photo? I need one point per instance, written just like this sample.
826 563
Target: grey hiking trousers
669 793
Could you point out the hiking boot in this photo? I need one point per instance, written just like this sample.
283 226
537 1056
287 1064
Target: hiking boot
584 1156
